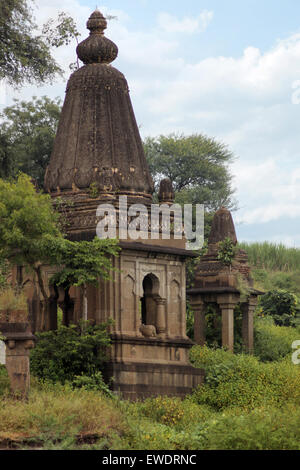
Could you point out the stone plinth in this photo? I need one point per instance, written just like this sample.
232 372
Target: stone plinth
148 367
18 341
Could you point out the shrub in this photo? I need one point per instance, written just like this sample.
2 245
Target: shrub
271 342
281 305
226 251
4 380
241 380
265 428
92 382
70 351
164 410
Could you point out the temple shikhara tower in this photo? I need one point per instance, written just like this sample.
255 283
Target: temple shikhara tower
97 157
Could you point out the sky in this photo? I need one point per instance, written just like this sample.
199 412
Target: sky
228 69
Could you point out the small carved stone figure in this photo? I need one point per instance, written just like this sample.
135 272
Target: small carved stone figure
148 330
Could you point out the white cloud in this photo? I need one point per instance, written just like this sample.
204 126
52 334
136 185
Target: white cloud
171 24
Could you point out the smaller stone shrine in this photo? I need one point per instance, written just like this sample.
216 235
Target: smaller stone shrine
224 285
18 340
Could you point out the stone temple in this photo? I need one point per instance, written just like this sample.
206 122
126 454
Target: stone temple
97 157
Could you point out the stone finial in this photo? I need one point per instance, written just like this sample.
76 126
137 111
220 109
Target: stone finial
222 227
97 48
166 192
96 23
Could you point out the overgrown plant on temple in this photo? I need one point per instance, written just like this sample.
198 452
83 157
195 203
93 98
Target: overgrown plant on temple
31 235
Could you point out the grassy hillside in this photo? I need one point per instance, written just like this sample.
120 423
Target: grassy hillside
274 266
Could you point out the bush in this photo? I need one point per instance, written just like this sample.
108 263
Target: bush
271 342
281 305
262 429
71 351
4 380
164 410
241 380
92 382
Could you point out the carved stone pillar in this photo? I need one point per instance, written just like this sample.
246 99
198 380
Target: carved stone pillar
227 311
161 316
247 323
18 340
199 322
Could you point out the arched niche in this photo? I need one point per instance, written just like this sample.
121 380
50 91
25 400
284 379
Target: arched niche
150 290
129 304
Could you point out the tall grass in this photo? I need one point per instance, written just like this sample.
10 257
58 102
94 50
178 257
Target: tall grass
57 413
272 256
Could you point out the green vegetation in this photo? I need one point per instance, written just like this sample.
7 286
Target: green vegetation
271 342
244 404
272 257
25 55
27 133
31 235
197 165
70 352
226 251
58 416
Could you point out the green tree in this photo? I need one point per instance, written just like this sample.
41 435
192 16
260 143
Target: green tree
27 134
30 235
25 55
197 165
282 306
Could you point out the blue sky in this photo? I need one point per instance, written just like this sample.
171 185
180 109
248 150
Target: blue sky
229 69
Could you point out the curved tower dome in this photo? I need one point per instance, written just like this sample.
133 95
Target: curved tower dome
222 227
98 144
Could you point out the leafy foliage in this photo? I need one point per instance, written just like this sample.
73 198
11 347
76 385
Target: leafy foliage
4 273
164 410
27 219
24 57
272 342
60 31
30 235
196 165
240 380
69 352
81 262
93 382
27 133
25 54
282 306
4 380
226 251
